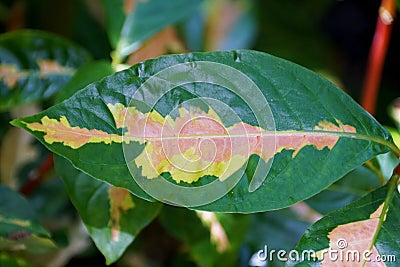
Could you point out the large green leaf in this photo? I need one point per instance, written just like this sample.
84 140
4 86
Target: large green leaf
19 227
35 65
112 215
364 232
129 23
321 133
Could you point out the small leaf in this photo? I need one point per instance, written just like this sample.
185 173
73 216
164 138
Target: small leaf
34 65
19 228
112 215
364 232
131 22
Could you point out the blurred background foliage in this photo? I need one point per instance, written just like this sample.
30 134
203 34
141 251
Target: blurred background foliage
330 37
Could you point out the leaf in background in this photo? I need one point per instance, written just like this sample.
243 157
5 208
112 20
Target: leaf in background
395 134
277 230
314 133
87 74
35 65
19 228
212 239
368 224
230 25
12 261
387 162
131 22
164 42
112 215
351 187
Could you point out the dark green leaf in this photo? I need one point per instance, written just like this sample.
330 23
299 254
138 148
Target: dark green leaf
321 133
112 215
34 65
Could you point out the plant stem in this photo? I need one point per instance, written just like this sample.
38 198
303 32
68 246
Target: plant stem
392 187
375 170
377 55
37 177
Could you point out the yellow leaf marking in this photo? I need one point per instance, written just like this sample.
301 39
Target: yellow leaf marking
120 202
10 74
192 145
19 222
74 137
48 67
217 233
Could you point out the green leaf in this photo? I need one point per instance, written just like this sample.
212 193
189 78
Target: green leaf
351 187
367 224
129 23
19 227
35 65
318 133
112 215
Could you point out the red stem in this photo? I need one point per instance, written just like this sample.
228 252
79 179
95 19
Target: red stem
377 55
397 170
38 175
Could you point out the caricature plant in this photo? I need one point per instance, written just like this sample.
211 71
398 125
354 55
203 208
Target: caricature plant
214 148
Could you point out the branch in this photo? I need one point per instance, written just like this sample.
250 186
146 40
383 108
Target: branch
36 178
377 55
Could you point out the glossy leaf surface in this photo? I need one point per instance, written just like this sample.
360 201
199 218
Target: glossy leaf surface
317 128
